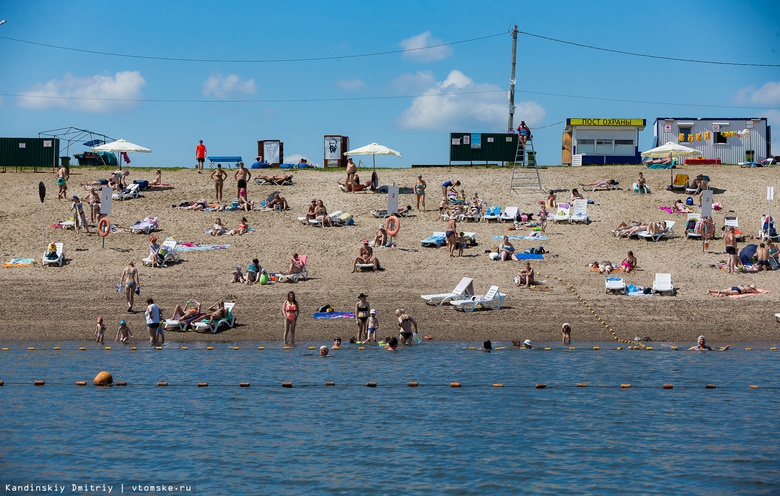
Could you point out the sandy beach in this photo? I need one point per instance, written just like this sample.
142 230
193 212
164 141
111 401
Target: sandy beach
52 304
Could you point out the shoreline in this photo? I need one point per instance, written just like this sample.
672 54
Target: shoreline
55 304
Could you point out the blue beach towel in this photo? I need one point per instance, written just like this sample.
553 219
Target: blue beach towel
528 256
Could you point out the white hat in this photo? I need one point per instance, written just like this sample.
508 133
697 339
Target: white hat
373 311
527 342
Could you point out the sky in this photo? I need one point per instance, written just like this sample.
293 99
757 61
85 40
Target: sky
165 74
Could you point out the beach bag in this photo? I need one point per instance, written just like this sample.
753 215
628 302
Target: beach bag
325 308
773 263
264 279
689 201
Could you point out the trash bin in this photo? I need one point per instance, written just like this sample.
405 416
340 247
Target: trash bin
65 161
750 155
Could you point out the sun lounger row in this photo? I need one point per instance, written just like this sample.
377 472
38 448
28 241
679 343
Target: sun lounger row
338 218
463 297
661 285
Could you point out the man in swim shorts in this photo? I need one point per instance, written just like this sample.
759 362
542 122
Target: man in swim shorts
242 176
730 240
153 322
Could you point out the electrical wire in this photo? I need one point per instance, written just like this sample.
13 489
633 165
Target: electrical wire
633 54
253 61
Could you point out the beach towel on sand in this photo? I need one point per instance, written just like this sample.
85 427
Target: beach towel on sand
745 295
528 238
200 247
528 256
19 262
334 315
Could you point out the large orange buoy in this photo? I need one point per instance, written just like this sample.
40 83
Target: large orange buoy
104 227
104 379
392 231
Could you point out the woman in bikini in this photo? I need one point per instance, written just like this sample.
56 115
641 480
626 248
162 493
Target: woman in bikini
362 309
629 263
506 250
81 218
219 228
452 229
218 175
129 283
290 311
419 191
321 214
93 200
243 227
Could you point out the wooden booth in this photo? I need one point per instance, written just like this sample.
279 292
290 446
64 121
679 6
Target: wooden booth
334 147
270 152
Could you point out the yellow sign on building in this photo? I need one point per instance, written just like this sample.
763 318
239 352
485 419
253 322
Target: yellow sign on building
606 122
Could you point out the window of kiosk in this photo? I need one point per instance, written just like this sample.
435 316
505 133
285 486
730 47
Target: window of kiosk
719 139
586 146
624 147
604 147
685 132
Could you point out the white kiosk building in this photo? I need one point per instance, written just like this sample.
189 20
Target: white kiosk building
720 140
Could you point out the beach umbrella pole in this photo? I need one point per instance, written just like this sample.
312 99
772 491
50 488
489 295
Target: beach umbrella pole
42 195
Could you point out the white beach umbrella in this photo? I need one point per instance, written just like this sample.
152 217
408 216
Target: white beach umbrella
121 146
373 149
672 150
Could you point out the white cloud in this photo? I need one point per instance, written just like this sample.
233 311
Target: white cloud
350 84
460 103
413 83
99 93
417 43
768 94
222 87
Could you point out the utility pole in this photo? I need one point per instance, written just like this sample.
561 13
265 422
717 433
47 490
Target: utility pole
511 125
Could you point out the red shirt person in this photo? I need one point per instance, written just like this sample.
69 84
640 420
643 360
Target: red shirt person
200 156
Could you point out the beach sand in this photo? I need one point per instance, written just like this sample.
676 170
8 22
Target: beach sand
56 304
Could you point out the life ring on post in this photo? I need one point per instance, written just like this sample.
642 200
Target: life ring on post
104 227
396 225
707 229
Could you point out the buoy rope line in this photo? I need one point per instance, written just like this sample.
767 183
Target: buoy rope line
42 383
361 348
633 344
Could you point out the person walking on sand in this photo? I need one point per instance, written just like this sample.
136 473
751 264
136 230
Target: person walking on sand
129 283
62 182
80 216
219 176
730 240
351 173
242 176
450 234
200 156
290 310
419 191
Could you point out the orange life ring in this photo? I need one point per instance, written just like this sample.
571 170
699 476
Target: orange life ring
707 229
397 223
104 227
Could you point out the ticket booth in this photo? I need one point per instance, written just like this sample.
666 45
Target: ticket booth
270 152
334 147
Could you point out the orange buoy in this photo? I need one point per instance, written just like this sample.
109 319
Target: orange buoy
104 227
103 379
392 231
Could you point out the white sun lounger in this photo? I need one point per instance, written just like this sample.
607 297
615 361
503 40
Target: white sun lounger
56 261
492 300
663 284
464 289
615 285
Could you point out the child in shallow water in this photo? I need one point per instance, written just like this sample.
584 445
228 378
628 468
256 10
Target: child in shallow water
100 330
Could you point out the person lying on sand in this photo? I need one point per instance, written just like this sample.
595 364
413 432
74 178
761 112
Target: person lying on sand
734 290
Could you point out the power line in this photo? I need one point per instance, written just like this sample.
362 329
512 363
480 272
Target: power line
270 100
252 61
386 97
633 54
